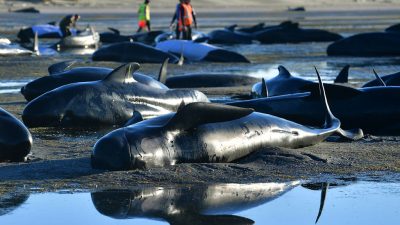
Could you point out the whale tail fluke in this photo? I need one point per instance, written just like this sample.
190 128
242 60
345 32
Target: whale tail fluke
331 120
379 79
162 75
343 76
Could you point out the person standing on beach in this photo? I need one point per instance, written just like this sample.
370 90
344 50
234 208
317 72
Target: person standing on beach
144 16
186 19
176 17
67 23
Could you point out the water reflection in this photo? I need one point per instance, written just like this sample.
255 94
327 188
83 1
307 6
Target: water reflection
196 205
9 201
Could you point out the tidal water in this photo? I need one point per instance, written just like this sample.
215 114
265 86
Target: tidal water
366 203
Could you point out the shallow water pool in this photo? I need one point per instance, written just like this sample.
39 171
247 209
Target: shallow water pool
264 203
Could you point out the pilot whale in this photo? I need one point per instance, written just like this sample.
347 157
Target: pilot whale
132 52
206 133
209 204
285 83
200 51
373 109
111 101
60 75
387 80
15 138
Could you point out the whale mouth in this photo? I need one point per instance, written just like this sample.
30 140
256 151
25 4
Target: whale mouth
32 121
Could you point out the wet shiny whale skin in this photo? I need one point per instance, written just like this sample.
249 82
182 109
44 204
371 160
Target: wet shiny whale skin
111 101
61 76
285 83
15 138
374 109
205 133
209 204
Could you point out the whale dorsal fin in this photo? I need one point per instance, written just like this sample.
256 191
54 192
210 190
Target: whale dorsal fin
379 79
162 75
231 27
198 113
283 72
61 66
264 88
123 74
343 76
114 30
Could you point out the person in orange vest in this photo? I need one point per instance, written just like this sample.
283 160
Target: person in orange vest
144 16
176 17
187 18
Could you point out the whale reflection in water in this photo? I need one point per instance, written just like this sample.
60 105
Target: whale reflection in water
202 204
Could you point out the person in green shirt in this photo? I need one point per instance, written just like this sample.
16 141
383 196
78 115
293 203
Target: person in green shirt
144 16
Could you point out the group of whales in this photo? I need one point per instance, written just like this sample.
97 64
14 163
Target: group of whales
186 127
183 125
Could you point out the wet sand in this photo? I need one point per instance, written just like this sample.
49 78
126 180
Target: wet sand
61 158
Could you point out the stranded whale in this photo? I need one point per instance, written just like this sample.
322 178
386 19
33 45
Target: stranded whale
15 138
60 75
206 133
111 101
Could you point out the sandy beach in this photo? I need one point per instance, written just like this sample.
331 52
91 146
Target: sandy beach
60 158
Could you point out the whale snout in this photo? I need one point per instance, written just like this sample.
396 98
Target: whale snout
112 152
44 111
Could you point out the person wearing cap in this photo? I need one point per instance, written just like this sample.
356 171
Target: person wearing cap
67 23
144 16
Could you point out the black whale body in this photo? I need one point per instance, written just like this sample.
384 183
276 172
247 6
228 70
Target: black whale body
132 52
291 33
111 101
388 80
367 45
206 133
393 28
373 109
44 84
225 36
114 36
15 138
209 80
284 83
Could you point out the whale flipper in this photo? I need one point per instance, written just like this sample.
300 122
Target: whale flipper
123 73
61 66
283 72
211 220
330 119
379 79
162 75
198 113
343 76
